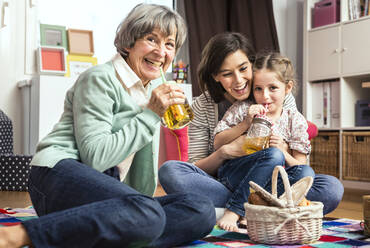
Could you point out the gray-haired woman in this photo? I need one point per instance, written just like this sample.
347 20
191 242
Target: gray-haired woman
93 176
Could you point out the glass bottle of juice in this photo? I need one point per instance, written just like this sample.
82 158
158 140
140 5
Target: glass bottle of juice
258 135
177 116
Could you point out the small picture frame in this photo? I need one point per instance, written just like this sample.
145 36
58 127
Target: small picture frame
78 64
80 42
51 60
53 35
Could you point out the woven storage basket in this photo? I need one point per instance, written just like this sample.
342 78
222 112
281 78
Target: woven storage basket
356 156
287 224
324 157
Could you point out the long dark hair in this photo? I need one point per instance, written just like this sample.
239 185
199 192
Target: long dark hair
214 54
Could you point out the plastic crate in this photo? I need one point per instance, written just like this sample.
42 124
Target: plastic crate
324 157
356 156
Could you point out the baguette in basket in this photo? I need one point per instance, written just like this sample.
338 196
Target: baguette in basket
283 221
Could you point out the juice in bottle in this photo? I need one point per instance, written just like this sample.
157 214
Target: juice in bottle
177 116
258 135
255 144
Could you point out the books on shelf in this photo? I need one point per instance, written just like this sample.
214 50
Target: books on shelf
334 104
325 107
358 8
318 105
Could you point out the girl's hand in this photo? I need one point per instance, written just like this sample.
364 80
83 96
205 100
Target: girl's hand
255 109
164 96
278 142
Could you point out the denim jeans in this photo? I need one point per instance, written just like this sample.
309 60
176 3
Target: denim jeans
81 207
235 174
177 176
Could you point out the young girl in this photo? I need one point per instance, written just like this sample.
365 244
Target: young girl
273 80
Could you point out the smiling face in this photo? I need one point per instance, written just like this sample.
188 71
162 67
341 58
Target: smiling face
235 75
269 91
150 53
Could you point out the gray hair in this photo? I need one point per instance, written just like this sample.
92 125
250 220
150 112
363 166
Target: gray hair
143 19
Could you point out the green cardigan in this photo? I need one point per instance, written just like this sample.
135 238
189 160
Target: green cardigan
101 126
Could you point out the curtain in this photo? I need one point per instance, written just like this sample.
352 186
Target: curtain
205 18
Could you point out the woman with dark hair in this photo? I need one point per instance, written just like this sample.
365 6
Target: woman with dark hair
93 176
225 76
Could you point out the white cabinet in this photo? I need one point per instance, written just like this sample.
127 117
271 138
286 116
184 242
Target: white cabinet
356 47
340 53
339 50
43 98
336 52
323 59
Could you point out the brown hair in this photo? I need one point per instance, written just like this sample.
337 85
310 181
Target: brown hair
277 63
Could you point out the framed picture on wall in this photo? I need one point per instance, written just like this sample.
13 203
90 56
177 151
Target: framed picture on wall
80 42
53 35
51 60
77 64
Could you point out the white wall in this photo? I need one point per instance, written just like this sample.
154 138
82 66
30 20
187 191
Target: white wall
289 25
20 38
87 14
12 63
14 41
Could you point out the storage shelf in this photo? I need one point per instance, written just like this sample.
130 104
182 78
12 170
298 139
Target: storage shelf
339 23
325 27
355 184
345 129
335 63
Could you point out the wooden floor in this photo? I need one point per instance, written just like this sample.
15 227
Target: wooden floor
350 207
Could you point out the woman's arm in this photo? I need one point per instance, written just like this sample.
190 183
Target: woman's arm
236 121
232 150
108 126
200 128
228 135
201 131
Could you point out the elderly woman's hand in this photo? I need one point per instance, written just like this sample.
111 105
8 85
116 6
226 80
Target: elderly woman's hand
234 149
164 96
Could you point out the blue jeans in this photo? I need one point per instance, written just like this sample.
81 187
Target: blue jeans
235 174
177 176
81 207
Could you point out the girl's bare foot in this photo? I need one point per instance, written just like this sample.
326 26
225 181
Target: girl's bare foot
228 221
14 236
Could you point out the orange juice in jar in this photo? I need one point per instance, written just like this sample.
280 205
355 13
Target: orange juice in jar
255 144
177 116
258 135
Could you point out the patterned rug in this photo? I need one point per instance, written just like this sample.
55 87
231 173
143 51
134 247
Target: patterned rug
338 233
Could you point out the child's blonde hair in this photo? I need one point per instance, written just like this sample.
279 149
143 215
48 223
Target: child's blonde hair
277 63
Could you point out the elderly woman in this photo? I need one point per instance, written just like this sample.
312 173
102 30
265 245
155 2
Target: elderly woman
93 176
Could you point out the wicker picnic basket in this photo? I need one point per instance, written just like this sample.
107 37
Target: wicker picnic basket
285 222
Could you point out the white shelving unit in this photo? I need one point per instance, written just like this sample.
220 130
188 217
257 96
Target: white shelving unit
338 52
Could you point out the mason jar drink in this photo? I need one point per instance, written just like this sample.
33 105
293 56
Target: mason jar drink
258 135
178 116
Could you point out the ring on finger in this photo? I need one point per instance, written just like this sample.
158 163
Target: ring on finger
170 95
